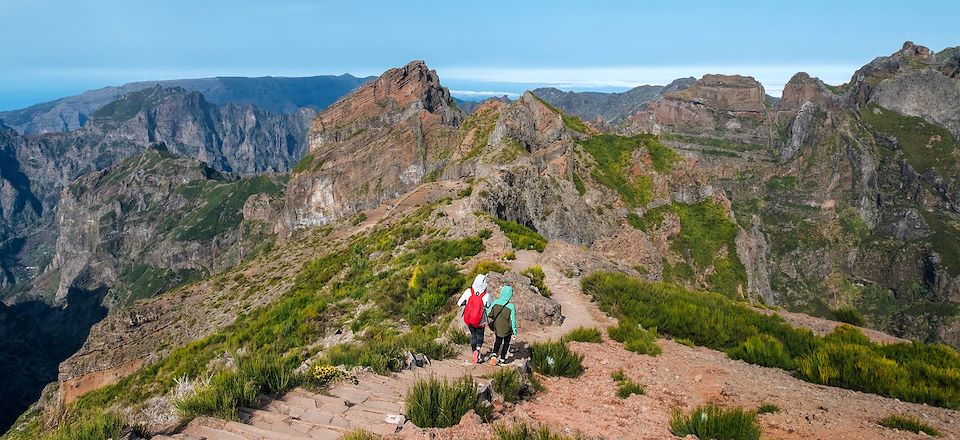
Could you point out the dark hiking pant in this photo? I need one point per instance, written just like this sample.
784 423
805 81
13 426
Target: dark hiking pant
476 337
501 346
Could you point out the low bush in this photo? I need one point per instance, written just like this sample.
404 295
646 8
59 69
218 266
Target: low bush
555 359
520 236
626 387
384 353
908 423
712 422
270 373
538 279
509 383
325 375
227 391
763 350
429 291
768 408
436 403
486 267
510 256
459 337
521 431
913 372
635 338
584 334
849 315
98 427
360 435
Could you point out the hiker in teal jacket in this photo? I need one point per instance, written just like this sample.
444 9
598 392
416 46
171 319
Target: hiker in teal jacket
503 324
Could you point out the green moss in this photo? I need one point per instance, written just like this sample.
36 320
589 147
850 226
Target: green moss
925 145
520 236
578 183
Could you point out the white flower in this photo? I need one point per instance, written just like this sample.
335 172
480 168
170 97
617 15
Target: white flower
550 361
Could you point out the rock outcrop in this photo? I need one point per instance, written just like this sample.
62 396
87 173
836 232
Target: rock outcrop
374 144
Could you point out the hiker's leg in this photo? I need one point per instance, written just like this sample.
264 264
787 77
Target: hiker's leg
506 346
476 338
496 346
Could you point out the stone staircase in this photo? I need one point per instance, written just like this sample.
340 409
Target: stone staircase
372 404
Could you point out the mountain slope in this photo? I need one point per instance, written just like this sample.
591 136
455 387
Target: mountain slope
271 94
613 108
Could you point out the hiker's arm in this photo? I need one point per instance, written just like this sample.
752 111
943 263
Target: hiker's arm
463 298
513 318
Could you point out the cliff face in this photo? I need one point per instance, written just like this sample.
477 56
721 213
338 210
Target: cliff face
374 144
151 223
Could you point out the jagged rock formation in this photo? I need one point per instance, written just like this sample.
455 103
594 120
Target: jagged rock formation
378 142
272 94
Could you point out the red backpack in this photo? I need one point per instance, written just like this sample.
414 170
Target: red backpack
473 313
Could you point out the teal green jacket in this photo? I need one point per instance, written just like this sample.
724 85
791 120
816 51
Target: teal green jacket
506 293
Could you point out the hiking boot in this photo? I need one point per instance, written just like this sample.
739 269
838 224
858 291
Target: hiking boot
476 356
494 360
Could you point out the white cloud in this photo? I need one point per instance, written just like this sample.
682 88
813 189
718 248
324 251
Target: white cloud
773 77
473 94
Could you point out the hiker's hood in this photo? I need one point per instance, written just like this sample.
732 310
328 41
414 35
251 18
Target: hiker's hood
506 292
480 283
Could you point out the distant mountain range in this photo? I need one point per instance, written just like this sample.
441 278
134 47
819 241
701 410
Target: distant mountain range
271 94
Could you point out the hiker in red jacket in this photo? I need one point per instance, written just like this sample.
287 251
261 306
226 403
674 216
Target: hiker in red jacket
475 301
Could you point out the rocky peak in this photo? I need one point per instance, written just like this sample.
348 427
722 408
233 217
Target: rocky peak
803 88
396 124
733 93
412 87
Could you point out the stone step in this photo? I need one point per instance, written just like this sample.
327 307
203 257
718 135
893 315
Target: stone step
201 432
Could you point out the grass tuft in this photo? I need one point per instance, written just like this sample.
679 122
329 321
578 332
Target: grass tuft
555 359
712 422
520 236
584 334
538 279
509 383
908 423
768 408
521 431
98 427
635 338
626 387
436 403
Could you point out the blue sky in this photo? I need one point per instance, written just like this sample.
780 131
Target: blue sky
57 48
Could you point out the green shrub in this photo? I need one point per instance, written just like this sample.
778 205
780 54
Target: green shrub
537 278
459 337
429 290
625 386
384 353
486 267
908 423
98 427
768 408
435 403
485 234
271 374
521 431
763 350
325 375
913 372
555 359
227 391
615 168
510 256
360 435
685 341
584 334
635 338
520 236
509 383
849 315
712 422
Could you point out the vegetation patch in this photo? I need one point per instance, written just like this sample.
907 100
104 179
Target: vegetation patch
520 236
913 372
635 338
98 427
220 207
572 122
509 383
849 315
522 431
713 422
555 359
538 279
718 143
584 334
768 408
626 387
615 168
925 145
436 403
909 423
